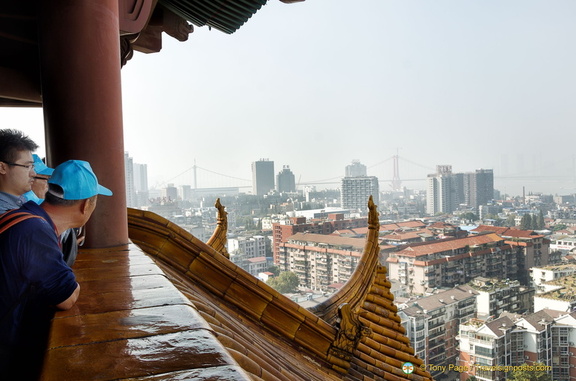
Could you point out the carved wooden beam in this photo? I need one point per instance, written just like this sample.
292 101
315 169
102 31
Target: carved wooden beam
134 15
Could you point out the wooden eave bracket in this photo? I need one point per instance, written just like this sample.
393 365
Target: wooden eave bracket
143 21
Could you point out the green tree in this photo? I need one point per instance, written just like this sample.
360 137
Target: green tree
541 223
284 283
529 374
526 222
469 216
274 270
534 223
510 220
559 227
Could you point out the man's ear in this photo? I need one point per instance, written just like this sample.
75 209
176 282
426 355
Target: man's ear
85 206
3 167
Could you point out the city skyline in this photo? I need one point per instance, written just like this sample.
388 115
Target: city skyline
318 84
187 178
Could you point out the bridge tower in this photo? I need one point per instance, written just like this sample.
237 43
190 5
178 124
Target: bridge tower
396 183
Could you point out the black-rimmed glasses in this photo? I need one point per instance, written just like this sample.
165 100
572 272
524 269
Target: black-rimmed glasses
27 166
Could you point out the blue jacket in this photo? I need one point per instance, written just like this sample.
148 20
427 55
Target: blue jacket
33 276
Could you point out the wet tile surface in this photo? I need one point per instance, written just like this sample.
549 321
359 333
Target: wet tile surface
130 322
125 324
136 357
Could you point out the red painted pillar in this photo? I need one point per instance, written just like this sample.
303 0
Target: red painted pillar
82 102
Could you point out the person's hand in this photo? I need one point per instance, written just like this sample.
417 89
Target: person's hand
80 235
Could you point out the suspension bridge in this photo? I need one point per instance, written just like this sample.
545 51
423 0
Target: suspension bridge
388 172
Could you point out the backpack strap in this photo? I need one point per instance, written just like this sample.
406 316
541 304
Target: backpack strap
7 220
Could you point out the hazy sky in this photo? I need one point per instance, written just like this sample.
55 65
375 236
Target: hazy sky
315 85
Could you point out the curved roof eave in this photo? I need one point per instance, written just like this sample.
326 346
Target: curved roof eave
224 15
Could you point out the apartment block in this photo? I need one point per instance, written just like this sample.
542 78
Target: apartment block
254 266
533 249
448 262
495 296
432 324
267 222
356 191
489 349
566 244
559 294
546 274
249 247
320 261
282 230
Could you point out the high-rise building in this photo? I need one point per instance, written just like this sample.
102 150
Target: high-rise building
357 188
262 177
185 192
446 191
285 180
356 191
141 184
482 187
129 179
170 193
140 177
136 182
356 169
441 191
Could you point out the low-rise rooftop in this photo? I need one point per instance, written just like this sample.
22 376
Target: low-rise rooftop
567 290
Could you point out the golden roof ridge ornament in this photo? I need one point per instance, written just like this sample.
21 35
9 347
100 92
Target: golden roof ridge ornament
350 331
219 238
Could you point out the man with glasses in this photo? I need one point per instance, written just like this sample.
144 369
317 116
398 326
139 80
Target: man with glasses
16 168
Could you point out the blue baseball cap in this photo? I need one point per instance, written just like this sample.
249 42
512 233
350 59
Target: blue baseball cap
77 180
41 168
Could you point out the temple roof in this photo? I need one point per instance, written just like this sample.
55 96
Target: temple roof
355 335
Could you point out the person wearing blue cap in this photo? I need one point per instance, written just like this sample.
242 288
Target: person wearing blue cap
16 168
40 182
71 238
34 279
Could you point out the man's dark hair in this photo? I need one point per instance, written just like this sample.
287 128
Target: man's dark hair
12 142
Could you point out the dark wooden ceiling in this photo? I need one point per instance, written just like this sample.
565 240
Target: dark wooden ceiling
19 57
